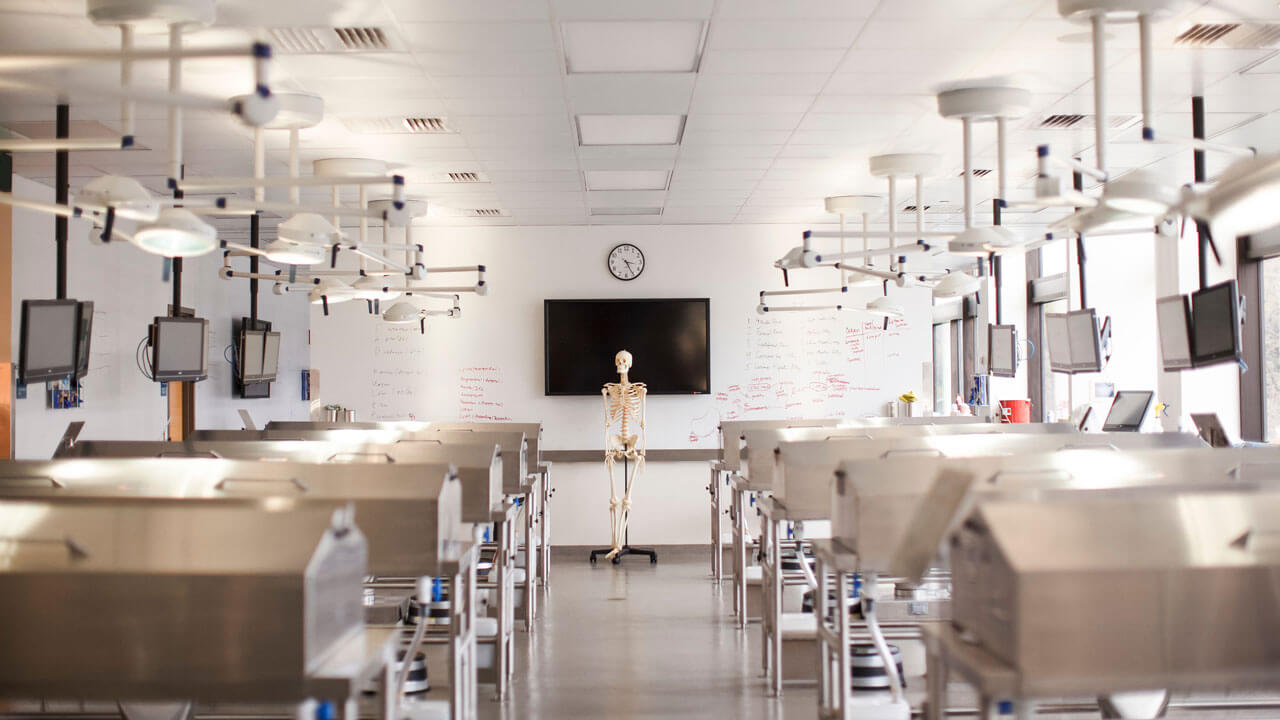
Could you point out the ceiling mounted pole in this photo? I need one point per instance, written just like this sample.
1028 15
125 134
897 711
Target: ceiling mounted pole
1099 22
175 147
1146 70
61 183
1202 229
893 221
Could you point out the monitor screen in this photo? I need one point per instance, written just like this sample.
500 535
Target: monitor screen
86 334
1128 410
1059 342
1002 347
1082 328
179 349
1173 320
48 340
669 341
252 345
271 356
1215 325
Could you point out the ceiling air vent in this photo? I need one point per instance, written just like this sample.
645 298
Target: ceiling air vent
1204 34
362 38
1085 122
977 172
397 125
1060 122
485 212
912 208
465 177
316 40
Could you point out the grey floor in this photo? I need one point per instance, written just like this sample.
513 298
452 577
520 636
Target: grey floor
640 641
657 641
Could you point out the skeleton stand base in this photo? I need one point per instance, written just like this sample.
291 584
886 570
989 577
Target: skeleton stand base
626 547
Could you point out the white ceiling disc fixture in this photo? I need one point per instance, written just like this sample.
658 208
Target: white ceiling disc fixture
331 290
402 312
348 167
885 307
1116 10
127 196
905 164
984 102
982 241
292 253
152 15
1140 192
294 111
956 284
854 204
374 287
308 228
176 233
1245 197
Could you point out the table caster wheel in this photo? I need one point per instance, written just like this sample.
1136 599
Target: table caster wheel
617 560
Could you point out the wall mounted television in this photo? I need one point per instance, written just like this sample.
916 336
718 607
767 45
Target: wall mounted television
669 339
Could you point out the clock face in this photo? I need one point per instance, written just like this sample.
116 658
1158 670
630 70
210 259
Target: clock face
626 262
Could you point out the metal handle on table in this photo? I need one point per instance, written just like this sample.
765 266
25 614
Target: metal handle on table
74 549
860 436
1099 446
188 454
360 457
929 452
295 482
1003 475
27 481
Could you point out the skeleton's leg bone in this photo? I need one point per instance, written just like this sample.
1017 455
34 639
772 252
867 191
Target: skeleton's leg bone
621 529
614 507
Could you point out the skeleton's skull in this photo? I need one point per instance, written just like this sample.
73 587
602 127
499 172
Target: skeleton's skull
622 361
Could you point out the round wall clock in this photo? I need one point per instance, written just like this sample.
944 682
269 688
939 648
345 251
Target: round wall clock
626 262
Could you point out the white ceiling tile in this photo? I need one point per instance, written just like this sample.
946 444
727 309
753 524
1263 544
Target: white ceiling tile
524 63
652 46
770 84
510 124
699 215
690 179
354 65
944 61
745 104
626 220
696 198
696 138
947 9
543 199
506 105
486 86
647 10
642 93
479 37
970 34
774 34
798 9
724 162
771 61
451 11
617 180
772 121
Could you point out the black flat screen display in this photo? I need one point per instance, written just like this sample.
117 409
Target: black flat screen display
669 341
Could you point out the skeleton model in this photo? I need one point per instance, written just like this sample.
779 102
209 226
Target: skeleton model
624 407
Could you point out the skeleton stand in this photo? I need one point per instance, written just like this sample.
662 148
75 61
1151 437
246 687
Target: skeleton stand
626 545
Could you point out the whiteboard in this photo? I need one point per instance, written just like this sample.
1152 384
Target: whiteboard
488 364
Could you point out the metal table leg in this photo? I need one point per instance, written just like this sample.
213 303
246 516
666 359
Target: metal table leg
716 552
936 685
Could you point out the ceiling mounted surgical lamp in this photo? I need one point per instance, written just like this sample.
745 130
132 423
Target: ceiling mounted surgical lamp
176 233
956 284
126 196
1246 198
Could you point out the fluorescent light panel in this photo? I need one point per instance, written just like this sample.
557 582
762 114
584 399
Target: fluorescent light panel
630 129
626 211
658 46
627 179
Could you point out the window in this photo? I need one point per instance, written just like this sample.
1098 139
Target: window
1057 386
1270 318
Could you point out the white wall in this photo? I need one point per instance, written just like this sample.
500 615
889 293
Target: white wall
126 287
496 349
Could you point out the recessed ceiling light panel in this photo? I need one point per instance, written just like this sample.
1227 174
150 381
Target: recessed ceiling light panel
658 46
630 129
627 179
